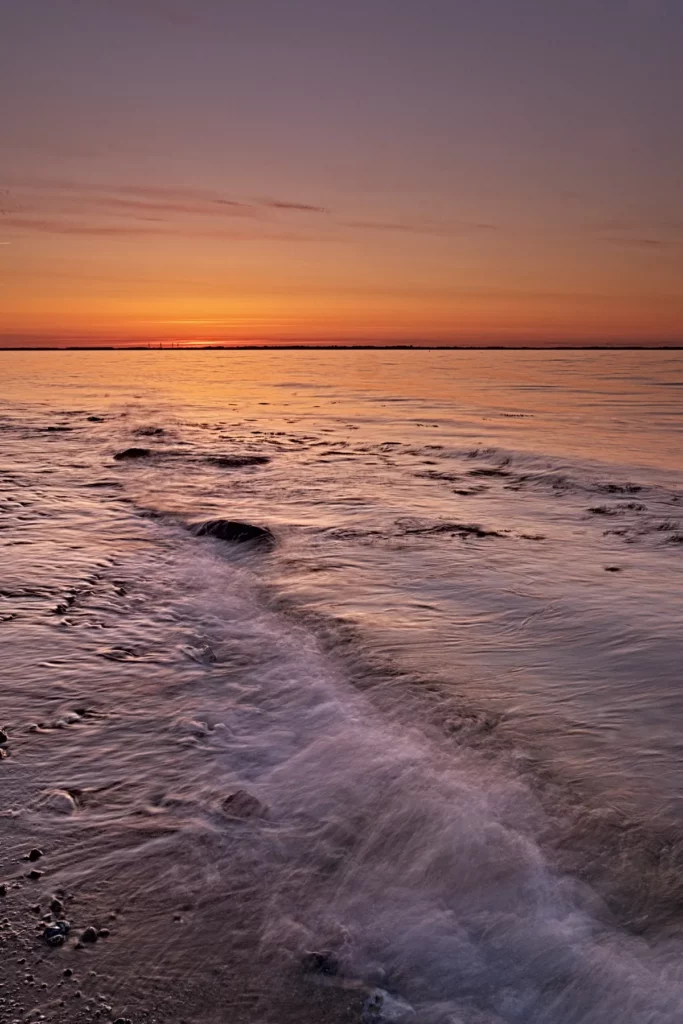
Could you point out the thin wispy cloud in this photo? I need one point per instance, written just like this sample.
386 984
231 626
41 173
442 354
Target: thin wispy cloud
62 206
59 206
446 228
63 226
647 233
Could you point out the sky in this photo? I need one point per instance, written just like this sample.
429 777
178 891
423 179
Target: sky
366 172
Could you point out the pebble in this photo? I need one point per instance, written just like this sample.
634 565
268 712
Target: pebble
35 875
56 906
3 736
58 801
35 854
321 962
242 804
89 935
55 934
132 453
3 889
382 1008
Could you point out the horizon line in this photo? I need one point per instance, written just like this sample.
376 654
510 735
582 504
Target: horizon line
179 347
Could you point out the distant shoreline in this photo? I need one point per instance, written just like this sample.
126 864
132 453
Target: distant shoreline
341 348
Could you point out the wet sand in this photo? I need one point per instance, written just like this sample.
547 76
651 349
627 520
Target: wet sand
430 723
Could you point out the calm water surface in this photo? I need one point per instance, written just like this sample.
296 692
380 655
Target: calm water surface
454 685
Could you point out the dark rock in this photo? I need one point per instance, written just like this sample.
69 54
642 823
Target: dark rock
123 1020
57 907
56 934
463 530
492 471
133 453
322 962
235 532
103 933
612 568
35 875
382 1008
236 461
96 419
3 889
150 431
3 736
68 973
35 854
241 804
89 935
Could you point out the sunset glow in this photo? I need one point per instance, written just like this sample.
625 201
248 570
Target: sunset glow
376 173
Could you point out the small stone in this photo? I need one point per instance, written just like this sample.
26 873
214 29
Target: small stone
35 875
68 973
3 889
58 801
57 907
123 1020
89 935
55 934
235 532
132 453
241 804
3 736
35 854
103 933
320 962
382 1008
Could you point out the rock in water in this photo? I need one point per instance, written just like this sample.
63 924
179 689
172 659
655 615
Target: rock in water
242 805
237 461
133 453
55 934
58 801
235 532
381 1008
320 962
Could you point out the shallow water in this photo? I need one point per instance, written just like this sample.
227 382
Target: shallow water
453 686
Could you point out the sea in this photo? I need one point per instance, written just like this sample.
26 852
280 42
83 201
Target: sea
433 733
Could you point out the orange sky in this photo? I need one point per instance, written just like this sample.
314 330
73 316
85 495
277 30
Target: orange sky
404 172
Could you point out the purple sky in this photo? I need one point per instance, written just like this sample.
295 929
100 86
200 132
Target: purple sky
446 171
